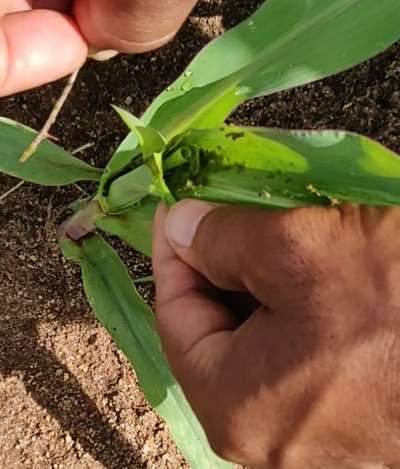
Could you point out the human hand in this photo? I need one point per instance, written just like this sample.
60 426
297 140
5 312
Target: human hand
43 40
311 378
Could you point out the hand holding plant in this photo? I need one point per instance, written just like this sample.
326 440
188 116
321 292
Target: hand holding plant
309 378
317 335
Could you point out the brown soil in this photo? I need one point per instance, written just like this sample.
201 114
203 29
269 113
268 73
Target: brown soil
68 398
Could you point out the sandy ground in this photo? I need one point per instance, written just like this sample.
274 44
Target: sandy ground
68 398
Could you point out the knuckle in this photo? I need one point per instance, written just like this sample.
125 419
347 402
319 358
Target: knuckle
225 444
304 226
300 247
307 233
232 437
386 350
377 223
230 443
224 432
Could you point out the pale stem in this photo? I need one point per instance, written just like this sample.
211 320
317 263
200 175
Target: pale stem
43 134
82 223
9 192
82 148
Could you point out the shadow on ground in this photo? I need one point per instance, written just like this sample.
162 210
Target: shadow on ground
39 296
35 289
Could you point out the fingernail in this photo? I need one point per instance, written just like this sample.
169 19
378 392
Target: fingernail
183 220
101 55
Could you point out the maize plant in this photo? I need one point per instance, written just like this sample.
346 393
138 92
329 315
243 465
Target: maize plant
181 147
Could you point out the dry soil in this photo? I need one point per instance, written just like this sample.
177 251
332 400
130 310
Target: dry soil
68 398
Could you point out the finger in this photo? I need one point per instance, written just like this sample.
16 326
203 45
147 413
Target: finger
193 326
131 25
37 47
268 254
59 5
11 6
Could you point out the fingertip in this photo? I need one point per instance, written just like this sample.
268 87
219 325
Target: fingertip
161 213
3 59
186 311
37 47
59 5
159 236
130 26
183 220
162 250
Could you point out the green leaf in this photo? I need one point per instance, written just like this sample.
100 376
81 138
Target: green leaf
130 322
125 154
149 144
133 226
152 145
149 139
122 158
128 189
143 280
201 108
286 43
345 165
130 120
284 168
52 166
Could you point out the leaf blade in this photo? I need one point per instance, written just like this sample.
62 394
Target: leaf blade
284 44
52 166
288 168
130 322
128 190
134 226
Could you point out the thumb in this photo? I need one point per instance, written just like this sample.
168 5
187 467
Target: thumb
30 45
131 26
276 256
193 325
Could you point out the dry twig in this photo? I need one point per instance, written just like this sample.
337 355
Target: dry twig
10 191
82 148
43 134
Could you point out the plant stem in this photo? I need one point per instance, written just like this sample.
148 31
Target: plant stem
82 223
82 148
43 134
9 192
149 279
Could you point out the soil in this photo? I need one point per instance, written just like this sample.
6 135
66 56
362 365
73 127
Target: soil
68 398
